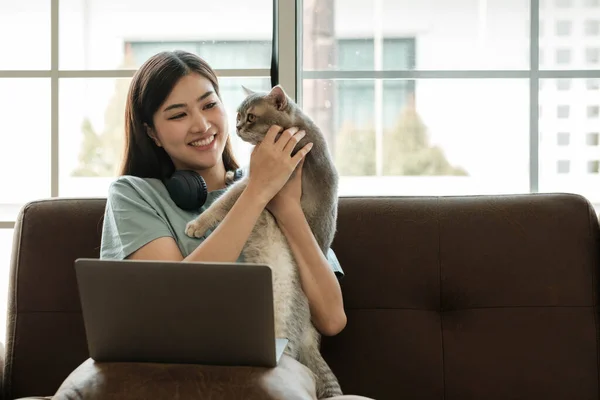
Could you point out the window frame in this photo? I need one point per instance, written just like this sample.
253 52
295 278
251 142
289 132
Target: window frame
282 71
533 74
287 70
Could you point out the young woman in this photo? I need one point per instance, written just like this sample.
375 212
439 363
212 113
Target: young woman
175 120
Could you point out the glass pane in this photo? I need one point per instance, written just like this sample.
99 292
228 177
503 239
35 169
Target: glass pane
24 34
437 136
92 129
423 35
91 126
115 34
233 94
572 42
570 166
6 239
25 150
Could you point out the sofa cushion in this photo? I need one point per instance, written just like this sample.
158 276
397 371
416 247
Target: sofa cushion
95 381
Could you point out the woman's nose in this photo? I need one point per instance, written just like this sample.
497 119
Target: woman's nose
200 122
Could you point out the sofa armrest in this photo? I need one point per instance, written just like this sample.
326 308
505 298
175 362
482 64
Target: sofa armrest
2 361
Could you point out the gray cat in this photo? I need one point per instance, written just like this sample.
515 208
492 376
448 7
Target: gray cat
267 244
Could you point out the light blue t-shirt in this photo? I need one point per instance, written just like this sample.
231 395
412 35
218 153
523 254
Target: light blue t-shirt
139 210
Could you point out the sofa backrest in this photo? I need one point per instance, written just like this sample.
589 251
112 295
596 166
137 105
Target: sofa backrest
455 298
483 297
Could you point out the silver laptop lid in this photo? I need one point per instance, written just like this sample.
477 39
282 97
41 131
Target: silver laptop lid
178 312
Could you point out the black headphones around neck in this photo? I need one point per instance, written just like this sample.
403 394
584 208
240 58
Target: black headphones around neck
188 189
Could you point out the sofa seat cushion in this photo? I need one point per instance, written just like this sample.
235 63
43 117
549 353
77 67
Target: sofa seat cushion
290 380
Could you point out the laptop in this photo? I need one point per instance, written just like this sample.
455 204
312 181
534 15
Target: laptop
179 312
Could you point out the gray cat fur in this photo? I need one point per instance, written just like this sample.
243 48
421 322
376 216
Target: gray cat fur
267 244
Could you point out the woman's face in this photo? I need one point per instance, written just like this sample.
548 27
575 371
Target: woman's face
191 125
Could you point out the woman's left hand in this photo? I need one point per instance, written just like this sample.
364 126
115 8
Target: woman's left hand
288 197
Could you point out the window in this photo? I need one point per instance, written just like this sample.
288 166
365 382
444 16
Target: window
563 56
592 27
563 166
356 97
563 28
562 112
591 139
593 167
386 81
563 3
90 105
592 84
563 138
563 84
221 54
18 19
466 96
592 55
593 111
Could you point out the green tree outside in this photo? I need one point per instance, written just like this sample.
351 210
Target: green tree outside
355 151
101 152
407 150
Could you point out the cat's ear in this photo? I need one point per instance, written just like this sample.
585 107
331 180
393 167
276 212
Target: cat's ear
279 97
247 91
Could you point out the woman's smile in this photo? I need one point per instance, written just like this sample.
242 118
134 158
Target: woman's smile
204 144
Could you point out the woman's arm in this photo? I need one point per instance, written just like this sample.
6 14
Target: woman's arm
224 244
271 165
319 282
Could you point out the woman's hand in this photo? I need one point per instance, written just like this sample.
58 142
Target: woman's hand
289 196
271 163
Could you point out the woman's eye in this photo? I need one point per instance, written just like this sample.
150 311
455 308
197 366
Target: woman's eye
177 116
210 105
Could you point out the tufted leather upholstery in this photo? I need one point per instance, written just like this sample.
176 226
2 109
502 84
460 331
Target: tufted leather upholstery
484 297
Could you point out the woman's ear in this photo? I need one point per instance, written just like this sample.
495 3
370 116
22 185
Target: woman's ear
152 134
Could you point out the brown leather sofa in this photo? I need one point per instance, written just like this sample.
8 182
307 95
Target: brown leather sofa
455 298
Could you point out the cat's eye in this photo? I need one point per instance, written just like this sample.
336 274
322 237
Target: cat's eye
238 116
251 118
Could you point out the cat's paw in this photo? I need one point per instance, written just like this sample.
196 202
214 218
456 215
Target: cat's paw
229 176
196 228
